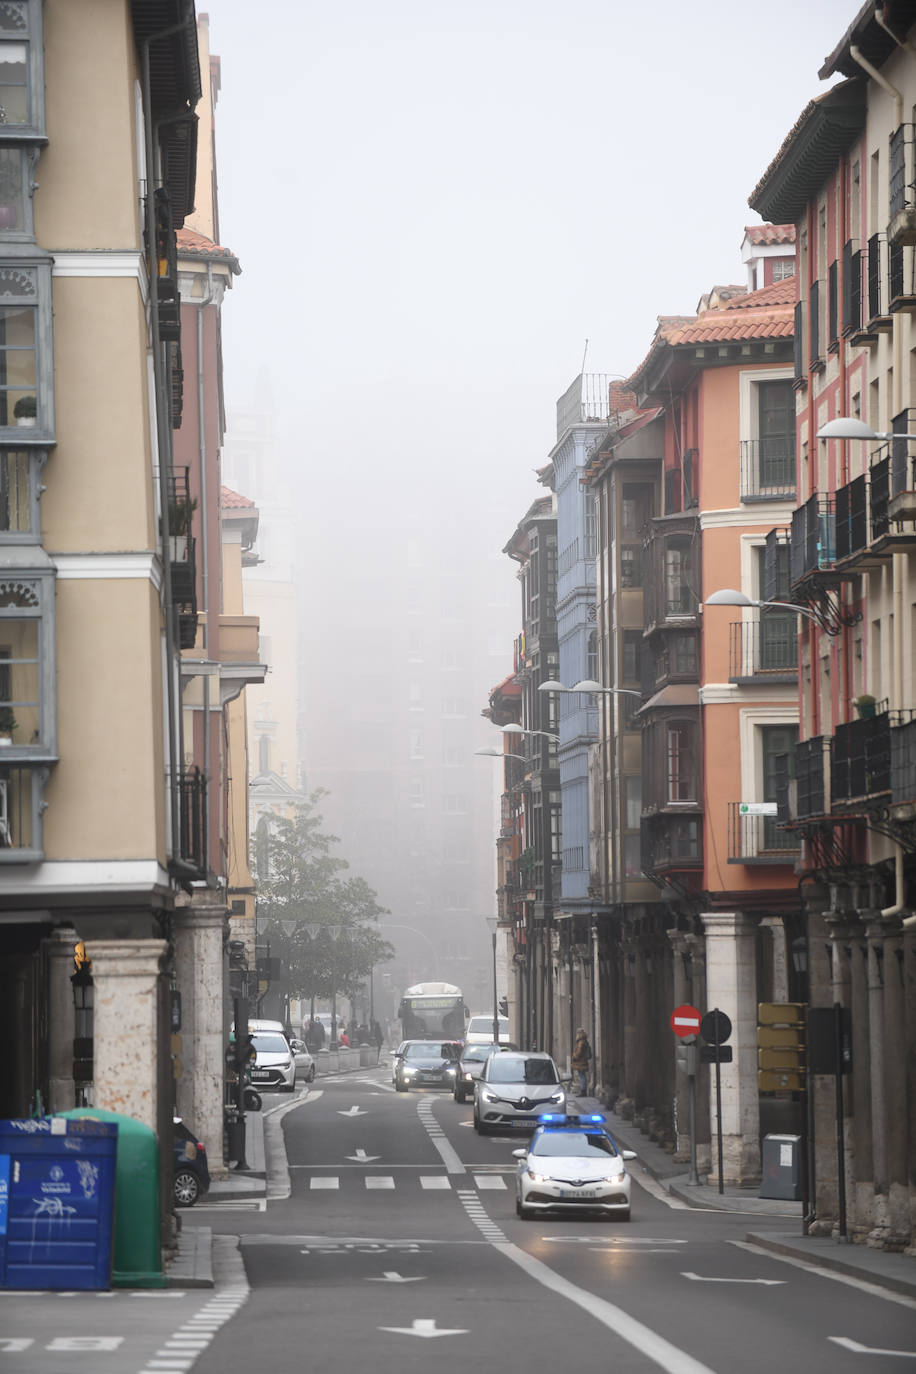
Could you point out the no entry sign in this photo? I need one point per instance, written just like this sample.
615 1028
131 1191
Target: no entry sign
685 1021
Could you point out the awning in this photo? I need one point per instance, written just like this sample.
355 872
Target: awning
675 694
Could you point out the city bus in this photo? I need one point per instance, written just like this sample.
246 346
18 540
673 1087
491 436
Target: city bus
433 1011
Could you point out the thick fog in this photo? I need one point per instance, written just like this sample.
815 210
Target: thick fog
443 213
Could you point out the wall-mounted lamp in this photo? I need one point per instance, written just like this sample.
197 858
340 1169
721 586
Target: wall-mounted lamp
831 619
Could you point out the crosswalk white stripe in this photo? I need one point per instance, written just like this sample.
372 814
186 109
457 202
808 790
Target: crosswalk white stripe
430 1181
325 1183
377 1181
490 1181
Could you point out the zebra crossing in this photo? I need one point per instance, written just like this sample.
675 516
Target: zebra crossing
328 1183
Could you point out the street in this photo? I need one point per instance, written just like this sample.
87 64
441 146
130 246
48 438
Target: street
400 1228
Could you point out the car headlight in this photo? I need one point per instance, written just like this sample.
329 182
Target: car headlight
486 1096
557 1097
469 1078
537 1178
451 1071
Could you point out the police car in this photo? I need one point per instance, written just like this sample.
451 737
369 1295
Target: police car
572 1164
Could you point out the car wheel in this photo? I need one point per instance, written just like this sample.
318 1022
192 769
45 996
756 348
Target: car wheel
522 1211
459 1095
399 1086
311 1074
186 1188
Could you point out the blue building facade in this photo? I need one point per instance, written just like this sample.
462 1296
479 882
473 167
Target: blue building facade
583 417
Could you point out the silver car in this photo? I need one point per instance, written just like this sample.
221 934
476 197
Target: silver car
470 1067
573 1164
514 1089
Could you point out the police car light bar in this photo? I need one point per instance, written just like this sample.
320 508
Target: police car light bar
561 1119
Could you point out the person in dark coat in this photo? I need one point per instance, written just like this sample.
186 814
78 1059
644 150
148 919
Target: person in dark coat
581 1058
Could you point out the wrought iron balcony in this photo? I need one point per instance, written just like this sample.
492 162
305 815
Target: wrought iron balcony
192 803
766 648
759 839
861 759
767 470
903 757
813 546
812 777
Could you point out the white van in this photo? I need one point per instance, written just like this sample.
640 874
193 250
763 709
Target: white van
480 1030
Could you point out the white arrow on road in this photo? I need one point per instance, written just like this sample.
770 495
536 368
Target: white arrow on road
424 1327
848 1344
392 1276
702 1278
362 1158
354 1111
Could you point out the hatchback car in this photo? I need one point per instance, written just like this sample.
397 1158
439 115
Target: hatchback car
305 1060
191 1173
573 1164
275 1064
470 1067
514 1089
425 1064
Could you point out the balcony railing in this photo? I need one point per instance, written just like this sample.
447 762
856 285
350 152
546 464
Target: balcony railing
903 757
861 759
812 777
766 648
192 794
767 469
813 546
759 839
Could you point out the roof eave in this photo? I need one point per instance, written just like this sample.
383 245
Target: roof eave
825 131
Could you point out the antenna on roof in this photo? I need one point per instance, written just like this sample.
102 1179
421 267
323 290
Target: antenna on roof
584 354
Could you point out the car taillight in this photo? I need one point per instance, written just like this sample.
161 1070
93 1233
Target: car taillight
201 1149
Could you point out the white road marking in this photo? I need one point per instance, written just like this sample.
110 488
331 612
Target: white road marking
354 1111
490 1181
849 1344
392 1276
433 1181
325 1183
615 1240
447 1152
649 1185
704 1278
423 1326
872 1289
379 1181
672 1359
362 1158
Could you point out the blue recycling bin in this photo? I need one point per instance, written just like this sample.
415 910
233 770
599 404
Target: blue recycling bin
57 1187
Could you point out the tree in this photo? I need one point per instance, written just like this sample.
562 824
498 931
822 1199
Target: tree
333 947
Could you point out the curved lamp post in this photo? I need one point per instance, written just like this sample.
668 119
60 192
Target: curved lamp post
589 685
500 754
728 596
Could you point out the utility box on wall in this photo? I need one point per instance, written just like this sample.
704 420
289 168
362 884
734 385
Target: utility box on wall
57 1186
782 1164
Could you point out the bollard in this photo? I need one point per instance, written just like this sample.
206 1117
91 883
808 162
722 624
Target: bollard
363 1056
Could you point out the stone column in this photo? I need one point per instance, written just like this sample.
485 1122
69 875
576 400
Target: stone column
128 1035
199 1046
61 1020
681 961
731 978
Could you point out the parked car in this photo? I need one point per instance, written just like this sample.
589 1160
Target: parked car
191 1174
470 1067
514 1089
425 1064
275 1064
305 1063
479 1030
573 1164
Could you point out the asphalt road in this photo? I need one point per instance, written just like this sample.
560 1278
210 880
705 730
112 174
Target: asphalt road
399 1246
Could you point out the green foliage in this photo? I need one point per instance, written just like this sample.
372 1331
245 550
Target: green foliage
333 947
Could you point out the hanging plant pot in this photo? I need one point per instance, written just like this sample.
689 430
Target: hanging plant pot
866 707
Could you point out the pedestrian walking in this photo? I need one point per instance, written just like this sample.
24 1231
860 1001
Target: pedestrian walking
581 1058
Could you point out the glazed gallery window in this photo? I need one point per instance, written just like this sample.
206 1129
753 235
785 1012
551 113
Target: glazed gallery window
680 598
16 516
17 364
681 756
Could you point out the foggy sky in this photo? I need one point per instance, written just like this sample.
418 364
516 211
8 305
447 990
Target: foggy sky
436 205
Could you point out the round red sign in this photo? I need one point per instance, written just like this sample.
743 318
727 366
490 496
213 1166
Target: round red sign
685 1021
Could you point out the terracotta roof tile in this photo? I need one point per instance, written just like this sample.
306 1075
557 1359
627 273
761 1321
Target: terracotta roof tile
777 293
194 245
231 500
770 233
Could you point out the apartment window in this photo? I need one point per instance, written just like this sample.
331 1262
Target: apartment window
680 597
591 662
415 747
776 430
632 856
415 791
681 755
684 655
555 815
783 268
633 801
632 647
454 803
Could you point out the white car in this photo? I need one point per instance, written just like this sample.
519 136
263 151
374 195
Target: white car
479 1030
573 1164
275 1063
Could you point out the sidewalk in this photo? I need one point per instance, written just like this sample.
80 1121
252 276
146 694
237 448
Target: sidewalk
896 1272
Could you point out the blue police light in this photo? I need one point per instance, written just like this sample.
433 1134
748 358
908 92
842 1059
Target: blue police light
552 1118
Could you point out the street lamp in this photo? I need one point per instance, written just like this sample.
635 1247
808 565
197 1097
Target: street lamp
493 922
728 596
520 730
500 754
589 685
847 427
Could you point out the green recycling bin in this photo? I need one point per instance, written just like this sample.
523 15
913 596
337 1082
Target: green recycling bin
137 1251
